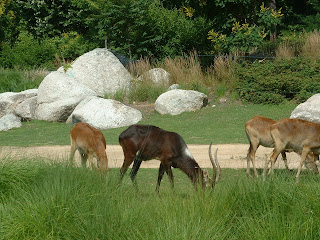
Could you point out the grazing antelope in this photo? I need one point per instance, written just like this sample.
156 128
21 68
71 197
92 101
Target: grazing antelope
146 142
258 133
91 143
299 135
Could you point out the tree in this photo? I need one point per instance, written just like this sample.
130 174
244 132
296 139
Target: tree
47 18
9 21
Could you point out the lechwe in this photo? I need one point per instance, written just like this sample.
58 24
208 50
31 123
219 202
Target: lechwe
146 142
258 133
91 143
299 135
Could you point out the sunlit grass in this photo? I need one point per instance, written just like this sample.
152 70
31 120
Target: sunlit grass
53 201
220 124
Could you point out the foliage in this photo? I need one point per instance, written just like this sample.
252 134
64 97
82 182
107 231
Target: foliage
28 53
246 37
50 53
176 33
243 37
9 22
124 26
269 18
71 45
46 18
273 82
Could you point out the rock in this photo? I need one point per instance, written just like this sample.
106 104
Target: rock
158 76
178 101
26 110
173 86
104 113
10 100
9 121
309 110
58 95
101 71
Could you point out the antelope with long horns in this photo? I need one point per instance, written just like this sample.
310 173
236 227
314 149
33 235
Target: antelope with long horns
146 142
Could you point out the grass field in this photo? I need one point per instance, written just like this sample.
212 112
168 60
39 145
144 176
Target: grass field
41 200
52 201
220 124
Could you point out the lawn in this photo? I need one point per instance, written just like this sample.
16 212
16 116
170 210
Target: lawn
220 124
49 200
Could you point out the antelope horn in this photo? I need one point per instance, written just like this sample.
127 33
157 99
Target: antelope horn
216 166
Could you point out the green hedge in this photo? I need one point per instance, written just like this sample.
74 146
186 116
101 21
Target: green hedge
276 81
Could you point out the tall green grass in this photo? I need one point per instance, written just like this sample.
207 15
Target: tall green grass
20 80
59 202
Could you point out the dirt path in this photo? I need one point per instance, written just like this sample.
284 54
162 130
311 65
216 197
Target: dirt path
229 155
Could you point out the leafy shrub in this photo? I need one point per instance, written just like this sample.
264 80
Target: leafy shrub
310 88
273 82
72 45
243 37
28 53
175 33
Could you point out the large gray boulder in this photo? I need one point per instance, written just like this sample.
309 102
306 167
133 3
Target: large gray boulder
101 71
177 101
26 110
104 113
10 100
309 110
9 121
58 95
158 76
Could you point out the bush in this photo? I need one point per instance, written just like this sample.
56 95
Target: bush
72 45
273 82
49 53
175 33
28 53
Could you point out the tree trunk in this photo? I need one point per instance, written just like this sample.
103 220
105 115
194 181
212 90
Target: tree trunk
273 6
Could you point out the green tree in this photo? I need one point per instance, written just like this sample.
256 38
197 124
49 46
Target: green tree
122 25
47 18
9 22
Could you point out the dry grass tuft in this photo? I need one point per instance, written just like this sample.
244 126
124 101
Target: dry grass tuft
285 51
223 70
184 70
140 67
311 47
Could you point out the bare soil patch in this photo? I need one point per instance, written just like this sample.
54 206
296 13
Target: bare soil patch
229 155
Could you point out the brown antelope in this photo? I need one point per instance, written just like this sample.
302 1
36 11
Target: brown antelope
299 135
91 143
258 133
146 142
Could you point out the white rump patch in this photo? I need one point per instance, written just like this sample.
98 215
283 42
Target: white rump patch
187 152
